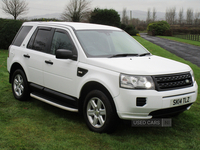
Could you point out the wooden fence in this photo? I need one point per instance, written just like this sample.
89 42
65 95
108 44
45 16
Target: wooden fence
194 37
189 34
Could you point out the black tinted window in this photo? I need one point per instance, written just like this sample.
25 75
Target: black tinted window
41 40
61 40
30 43
22 33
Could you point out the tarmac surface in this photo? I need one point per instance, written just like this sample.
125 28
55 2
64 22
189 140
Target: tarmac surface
185 51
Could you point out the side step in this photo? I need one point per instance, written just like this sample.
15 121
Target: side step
54 104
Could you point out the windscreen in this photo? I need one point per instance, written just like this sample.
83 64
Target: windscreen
106 43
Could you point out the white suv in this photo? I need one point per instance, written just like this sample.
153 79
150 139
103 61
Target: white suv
97 70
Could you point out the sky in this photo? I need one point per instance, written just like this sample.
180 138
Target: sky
43 7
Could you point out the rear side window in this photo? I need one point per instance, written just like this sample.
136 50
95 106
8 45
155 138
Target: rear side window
21 35
40 39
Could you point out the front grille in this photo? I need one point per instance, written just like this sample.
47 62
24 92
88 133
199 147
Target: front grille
173 81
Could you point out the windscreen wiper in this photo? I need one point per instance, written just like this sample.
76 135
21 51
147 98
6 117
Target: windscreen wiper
123 55
144 54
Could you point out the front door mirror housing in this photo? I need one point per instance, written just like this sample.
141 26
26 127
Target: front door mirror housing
65 54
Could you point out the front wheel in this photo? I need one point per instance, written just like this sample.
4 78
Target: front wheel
99 113
20 85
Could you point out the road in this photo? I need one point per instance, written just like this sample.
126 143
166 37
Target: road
185 51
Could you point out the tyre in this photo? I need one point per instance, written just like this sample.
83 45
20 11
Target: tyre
99 113
20 87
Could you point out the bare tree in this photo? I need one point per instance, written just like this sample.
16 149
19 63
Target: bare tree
148 20
154 15
173 14
197 18
131 15
190 16
180 15
135 22
167 17
170 15
131 18
76 10
124 16
15 8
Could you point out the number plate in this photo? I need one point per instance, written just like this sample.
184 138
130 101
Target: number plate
180 101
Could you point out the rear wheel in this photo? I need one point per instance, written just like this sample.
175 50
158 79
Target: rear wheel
99 114
20 85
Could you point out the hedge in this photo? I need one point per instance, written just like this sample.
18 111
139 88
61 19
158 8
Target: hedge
8 30
158 28
129 29
105 16
186 31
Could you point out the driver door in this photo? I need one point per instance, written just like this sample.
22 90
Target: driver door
60 74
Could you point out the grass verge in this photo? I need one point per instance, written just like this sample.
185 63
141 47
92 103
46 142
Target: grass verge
196 43
36 125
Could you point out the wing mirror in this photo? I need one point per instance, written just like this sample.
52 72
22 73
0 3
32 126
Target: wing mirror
65 54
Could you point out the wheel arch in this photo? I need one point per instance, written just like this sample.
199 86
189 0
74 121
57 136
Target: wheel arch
14 67
93 85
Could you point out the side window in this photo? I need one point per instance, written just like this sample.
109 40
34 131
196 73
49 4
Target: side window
61 40
21 35
40 39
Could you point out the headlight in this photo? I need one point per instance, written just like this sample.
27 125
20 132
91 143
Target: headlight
136 82
192 73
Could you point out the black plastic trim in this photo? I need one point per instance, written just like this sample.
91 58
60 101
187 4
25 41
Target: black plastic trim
169 111
55 100
58 94
48 62
141 101
54 96
172 81
35 87
81 72
26 56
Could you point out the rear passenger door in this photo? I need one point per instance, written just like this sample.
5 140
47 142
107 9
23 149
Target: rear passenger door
60 74
37 47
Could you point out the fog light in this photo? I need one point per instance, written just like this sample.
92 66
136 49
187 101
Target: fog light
141 101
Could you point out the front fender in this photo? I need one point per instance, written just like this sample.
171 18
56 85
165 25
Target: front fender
109 79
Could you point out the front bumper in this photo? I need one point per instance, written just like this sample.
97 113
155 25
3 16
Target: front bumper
127 108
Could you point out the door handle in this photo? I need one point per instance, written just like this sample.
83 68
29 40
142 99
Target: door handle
26 56
49 62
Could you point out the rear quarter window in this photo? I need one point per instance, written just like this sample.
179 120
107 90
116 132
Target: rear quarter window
21 35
